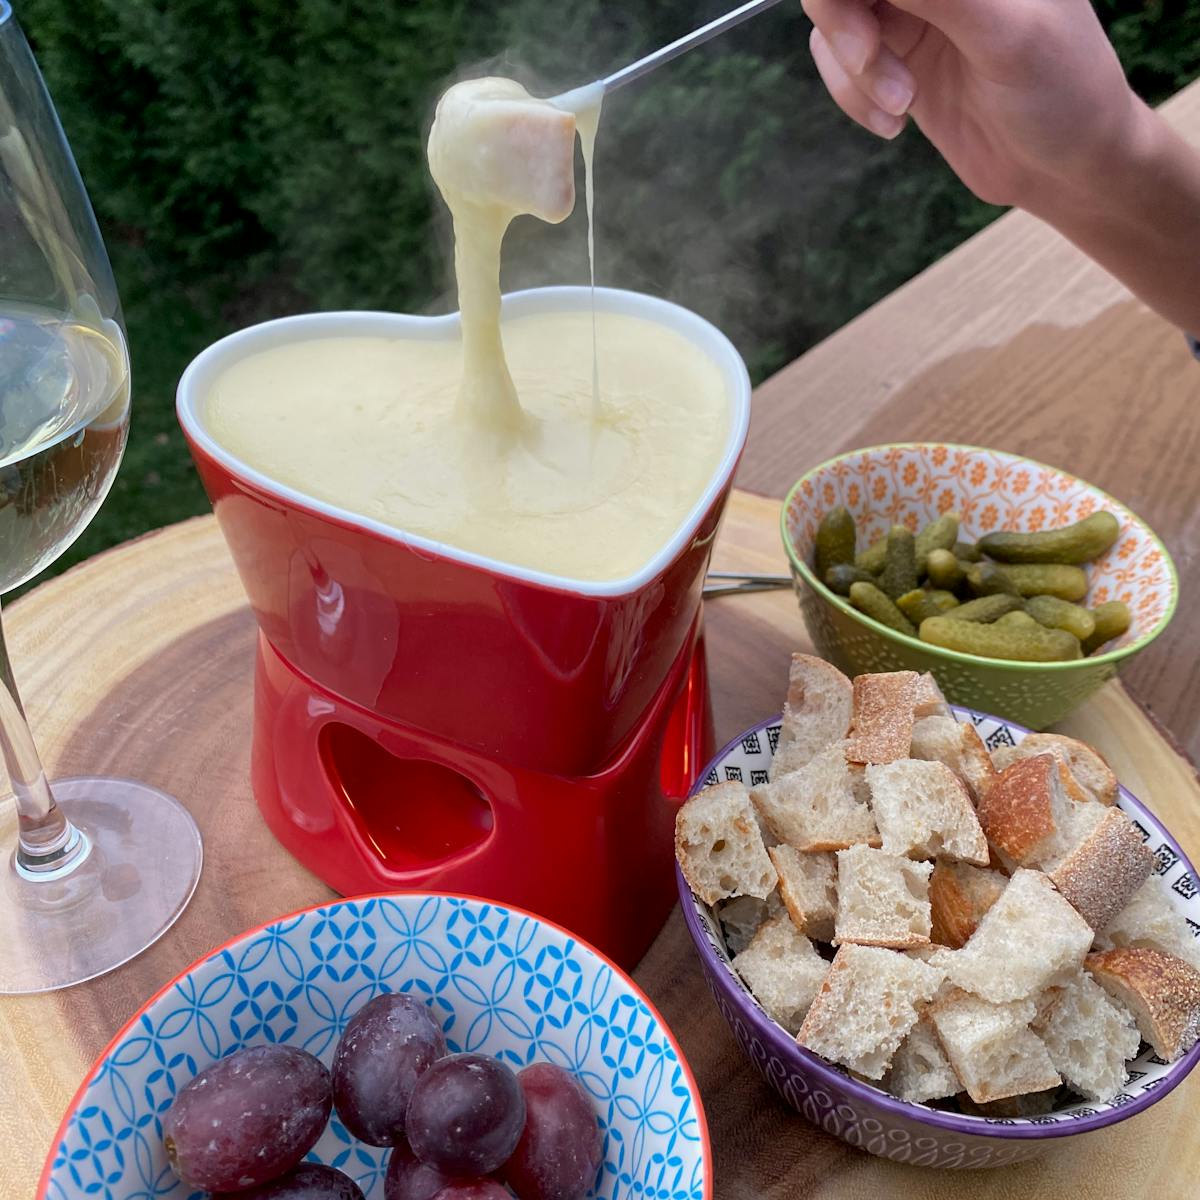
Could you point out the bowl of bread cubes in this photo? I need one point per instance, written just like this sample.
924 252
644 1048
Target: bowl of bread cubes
1020 587
939 936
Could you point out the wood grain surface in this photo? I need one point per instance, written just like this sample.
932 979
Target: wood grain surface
139 663
1018 341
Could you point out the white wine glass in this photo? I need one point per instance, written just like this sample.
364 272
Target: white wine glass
101 868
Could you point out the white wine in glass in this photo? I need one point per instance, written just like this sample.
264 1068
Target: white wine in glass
100 868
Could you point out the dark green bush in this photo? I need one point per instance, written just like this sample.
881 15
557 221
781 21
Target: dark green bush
255 157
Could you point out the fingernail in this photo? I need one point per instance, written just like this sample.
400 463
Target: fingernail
884 124
892 95
851 51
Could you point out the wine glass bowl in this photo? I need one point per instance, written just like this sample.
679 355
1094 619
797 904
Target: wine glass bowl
101 867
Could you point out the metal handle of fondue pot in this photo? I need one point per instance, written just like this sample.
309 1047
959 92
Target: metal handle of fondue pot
593 92
737 583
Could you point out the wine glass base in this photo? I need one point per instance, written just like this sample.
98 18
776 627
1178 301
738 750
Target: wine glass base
138 877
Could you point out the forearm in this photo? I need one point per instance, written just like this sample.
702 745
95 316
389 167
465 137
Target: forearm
1139 216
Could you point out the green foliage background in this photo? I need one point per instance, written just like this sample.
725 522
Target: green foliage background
252 158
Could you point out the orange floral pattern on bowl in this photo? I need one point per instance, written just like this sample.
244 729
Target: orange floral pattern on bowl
990 490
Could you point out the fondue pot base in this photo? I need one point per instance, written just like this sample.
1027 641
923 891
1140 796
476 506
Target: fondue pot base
368 804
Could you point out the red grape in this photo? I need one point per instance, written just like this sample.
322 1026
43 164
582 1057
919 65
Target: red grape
408 1178
561 1149
309 1181
248 1118
474 1189
466 1115
384 1050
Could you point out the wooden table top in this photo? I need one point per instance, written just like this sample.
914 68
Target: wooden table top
1017 340
139 663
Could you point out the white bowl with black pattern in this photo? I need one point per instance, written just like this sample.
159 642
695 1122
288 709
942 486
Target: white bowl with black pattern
868 1117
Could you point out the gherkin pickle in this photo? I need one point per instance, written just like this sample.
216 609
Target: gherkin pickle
840 576
873 557
968 552
987 579
921 603
868 599
1018 619
937 535
1047 579
1059 614
996 641
1112 619
986 609
1079 543
944 570
899 574
835 540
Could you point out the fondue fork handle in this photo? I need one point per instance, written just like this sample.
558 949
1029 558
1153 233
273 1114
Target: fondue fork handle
644 66
734 583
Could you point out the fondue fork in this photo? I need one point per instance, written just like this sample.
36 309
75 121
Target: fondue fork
593 93
737 583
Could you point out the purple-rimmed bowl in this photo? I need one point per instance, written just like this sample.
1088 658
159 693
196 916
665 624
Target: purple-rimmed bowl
869 1118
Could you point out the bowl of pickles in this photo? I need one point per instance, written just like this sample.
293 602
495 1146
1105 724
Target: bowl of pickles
1020 586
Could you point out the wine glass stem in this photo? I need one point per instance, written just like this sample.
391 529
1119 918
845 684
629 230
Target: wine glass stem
46 839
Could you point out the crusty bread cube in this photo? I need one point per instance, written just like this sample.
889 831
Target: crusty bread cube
741 918
882 899
1162 992
991 1047
869 1002
959 895
808 889
783 970
958 745
816 713
1088 1037
928 700
1031 1104
718 845
922 810
1017 809
1090 777
882 721
920 1070
1029 938
821 806
1100 873
1150 919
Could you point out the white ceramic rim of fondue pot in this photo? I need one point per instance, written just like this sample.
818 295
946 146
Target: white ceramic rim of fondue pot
194 385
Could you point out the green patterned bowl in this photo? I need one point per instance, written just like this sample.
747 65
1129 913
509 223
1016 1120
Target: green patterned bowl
911 484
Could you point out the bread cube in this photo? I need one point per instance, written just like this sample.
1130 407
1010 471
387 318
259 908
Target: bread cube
866 1007
1088 1037
815 715
1162 992
808 889
1027 940
821 806
922 810
959 895
719 848
882 899
741 918
1017 809
1101 871
991 1047
920 1070
928 700
783 970
958 745
1090 777
882 721
1150 919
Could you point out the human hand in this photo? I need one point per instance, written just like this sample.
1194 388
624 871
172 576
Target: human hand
1025 99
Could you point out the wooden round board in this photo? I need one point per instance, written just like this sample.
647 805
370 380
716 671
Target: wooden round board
139 663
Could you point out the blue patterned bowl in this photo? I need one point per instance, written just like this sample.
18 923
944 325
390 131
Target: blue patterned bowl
499 980
869 1118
